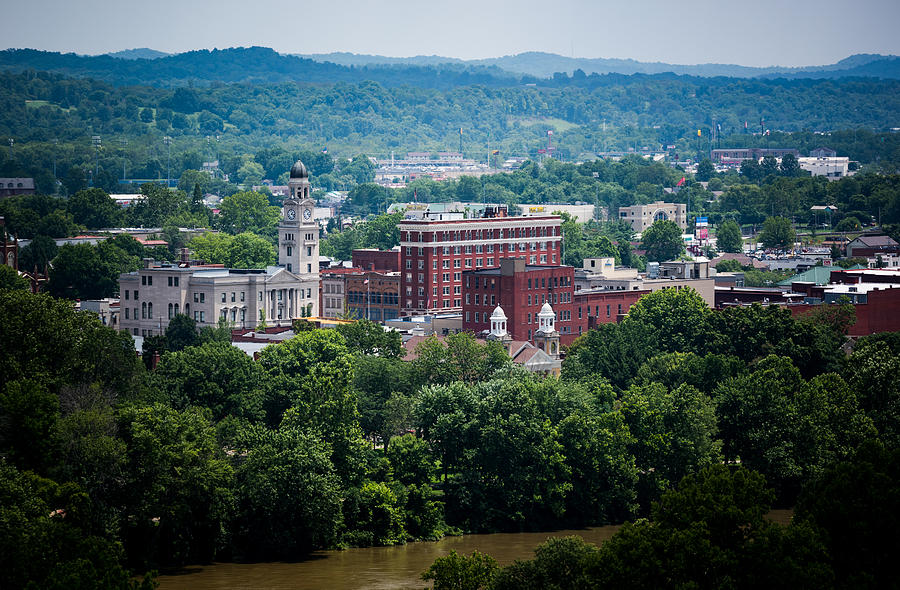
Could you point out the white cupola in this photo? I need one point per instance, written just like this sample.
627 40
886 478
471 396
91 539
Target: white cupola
546 319
498 323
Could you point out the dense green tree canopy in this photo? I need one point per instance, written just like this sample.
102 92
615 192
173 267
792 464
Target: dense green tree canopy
248 212
777 233
662 241
728 237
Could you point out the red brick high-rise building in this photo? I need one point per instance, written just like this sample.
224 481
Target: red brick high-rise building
521 290
435 254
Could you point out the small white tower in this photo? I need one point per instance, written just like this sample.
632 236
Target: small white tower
498 329
498 323
546 337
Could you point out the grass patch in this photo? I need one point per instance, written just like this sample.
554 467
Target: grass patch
558 125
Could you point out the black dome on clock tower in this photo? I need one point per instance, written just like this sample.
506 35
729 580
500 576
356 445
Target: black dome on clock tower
298 170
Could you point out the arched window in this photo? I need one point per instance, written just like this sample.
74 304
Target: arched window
660 216
171 309
176 309
144 310
150 311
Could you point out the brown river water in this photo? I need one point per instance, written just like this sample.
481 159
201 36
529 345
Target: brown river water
375 568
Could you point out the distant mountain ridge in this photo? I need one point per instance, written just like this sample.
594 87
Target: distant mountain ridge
138 53
544 65
263 65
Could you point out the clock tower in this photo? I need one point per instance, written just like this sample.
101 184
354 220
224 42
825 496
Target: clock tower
298 233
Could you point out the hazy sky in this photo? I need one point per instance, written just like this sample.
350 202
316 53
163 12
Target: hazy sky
755 33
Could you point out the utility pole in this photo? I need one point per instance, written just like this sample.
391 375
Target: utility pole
55 178
124 143
95 139
168 141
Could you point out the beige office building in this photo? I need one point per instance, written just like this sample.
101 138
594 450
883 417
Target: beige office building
642 216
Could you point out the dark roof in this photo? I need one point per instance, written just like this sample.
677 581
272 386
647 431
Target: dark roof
743 259
298 170
528 268
874 241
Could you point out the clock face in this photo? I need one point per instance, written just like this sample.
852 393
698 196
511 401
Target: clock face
307 214
291 213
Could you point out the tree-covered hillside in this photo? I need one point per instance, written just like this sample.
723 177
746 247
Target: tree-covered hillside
51 119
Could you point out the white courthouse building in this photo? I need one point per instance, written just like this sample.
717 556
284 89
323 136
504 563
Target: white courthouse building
152 296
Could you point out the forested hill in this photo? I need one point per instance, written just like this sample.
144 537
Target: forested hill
264 65
138 53
240 64
887 67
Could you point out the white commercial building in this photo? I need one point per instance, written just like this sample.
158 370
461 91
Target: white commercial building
830 167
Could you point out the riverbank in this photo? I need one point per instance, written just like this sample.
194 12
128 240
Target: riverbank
377 568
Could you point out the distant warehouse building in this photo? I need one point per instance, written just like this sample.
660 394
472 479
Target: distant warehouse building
16 186
827 166
738 155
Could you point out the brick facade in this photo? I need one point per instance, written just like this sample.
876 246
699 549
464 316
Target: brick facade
520 289
381 260
593 307
435 254
373 295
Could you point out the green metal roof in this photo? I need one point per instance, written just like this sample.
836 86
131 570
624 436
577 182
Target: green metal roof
820 275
